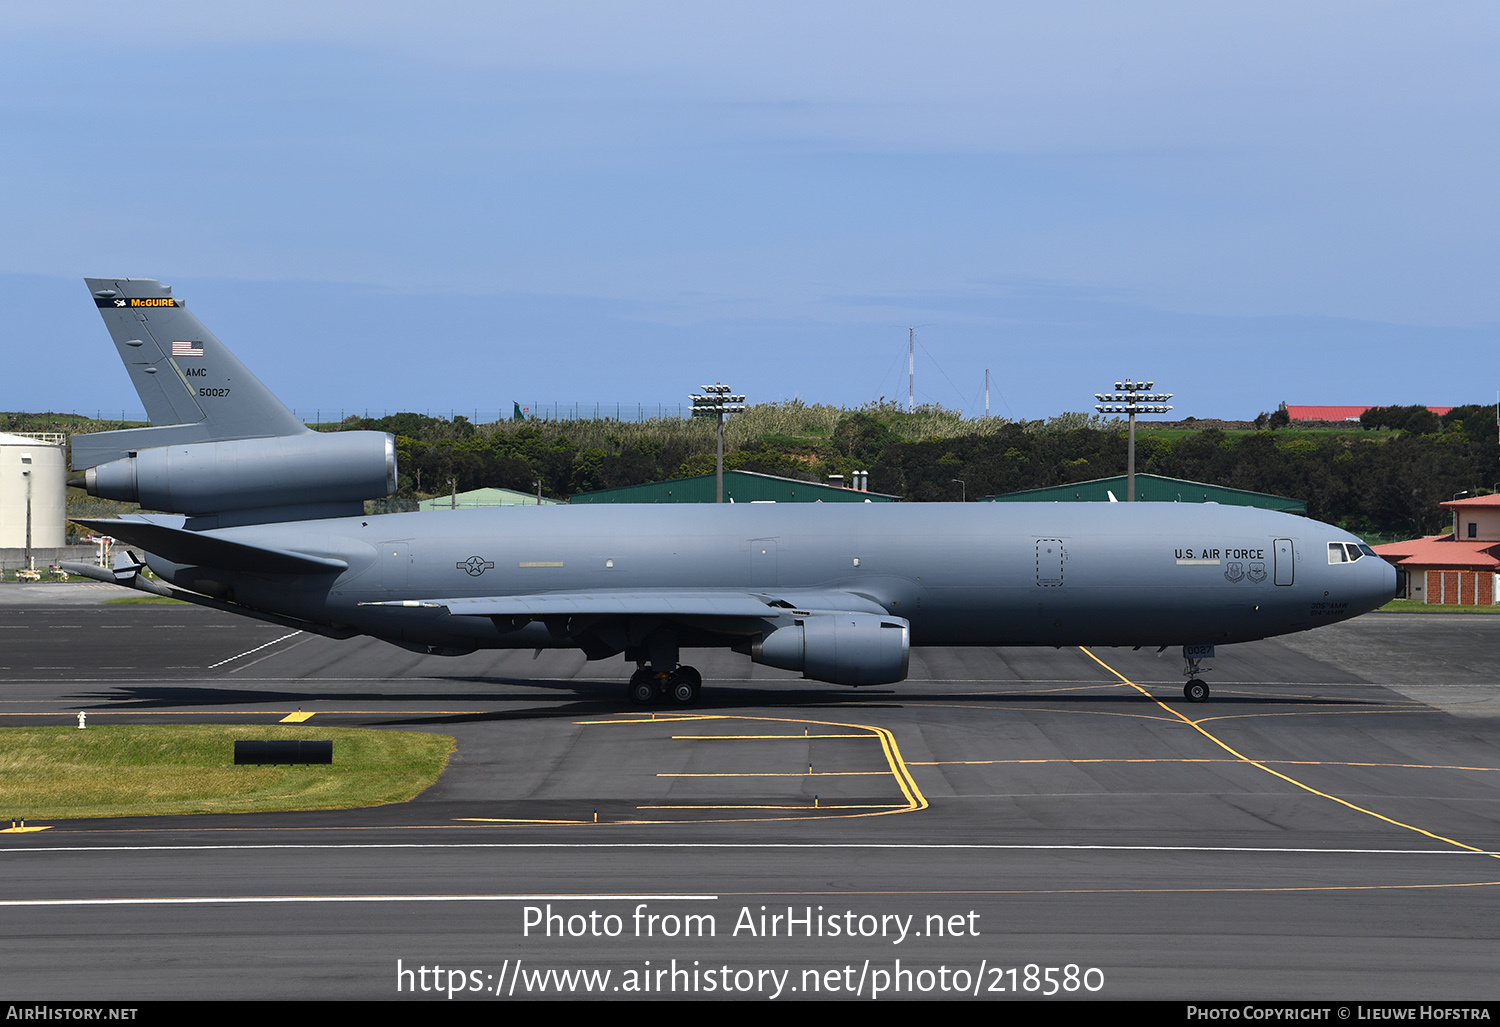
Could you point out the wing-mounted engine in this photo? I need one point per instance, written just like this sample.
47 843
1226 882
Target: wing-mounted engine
843 648
198 479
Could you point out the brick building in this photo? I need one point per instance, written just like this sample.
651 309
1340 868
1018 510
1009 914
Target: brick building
1457 569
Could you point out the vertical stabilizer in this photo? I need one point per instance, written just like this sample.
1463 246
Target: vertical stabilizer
193 388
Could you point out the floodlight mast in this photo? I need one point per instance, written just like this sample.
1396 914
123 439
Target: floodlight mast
1131 397
716 402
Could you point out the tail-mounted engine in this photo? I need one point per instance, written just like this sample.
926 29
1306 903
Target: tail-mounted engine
203 478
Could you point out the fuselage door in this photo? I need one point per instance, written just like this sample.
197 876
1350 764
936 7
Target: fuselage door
762 562
1285 556
1049 562
395 563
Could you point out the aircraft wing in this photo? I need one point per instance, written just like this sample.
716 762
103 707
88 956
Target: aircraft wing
829 634
652 603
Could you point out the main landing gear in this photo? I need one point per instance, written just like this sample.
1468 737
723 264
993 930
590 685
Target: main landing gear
679 686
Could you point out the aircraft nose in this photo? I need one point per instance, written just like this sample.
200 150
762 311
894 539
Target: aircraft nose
1382 587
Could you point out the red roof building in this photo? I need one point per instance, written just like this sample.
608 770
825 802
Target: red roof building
1339 413
1460 568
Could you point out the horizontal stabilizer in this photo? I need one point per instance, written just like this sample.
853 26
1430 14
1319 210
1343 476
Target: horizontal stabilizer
203 549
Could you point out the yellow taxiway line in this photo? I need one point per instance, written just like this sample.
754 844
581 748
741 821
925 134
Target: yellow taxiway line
1264 765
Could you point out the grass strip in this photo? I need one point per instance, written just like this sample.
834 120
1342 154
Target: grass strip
54 773
1417 606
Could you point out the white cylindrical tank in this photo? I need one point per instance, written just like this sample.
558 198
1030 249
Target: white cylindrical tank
33 468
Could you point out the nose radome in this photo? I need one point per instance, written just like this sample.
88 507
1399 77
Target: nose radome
1382 586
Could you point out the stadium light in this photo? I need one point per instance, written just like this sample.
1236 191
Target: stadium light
1131 398
716 402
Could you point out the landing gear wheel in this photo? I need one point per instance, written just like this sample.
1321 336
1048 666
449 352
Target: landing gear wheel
642 688
686 683
1196 690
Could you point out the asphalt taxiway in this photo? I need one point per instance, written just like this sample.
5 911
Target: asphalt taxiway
1324 827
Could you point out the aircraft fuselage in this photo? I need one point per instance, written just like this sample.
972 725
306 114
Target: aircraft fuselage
961 574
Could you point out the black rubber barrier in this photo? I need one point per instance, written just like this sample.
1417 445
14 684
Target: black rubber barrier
271 753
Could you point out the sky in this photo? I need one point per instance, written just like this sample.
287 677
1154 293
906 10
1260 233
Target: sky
451 207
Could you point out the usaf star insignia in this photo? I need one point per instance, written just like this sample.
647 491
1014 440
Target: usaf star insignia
475 565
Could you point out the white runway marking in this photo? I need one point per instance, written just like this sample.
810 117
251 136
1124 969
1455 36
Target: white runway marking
257 649
207 900
866 846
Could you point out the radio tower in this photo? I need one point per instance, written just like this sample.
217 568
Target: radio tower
911 368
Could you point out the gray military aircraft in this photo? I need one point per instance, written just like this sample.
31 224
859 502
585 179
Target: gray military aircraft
265 518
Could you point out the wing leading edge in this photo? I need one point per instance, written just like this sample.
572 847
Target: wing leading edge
648 603
835 636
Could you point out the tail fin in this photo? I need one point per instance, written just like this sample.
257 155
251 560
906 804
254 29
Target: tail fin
192 386
221 449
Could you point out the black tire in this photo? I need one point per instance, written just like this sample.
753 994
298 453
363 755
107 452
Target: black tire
1196 691
642 687
685 686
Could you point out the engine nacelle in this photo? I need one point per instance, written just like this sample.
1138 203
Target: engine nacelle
244 474
844 648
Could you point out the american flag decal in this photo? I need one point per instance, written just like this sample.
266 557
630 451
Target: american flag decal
181 348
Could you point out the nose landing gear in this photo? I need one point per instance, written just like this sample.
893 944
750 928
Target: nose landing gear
1196 690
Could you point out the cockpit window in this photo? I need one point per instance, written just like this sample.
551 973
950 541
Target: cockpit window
1346 552
1367 550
